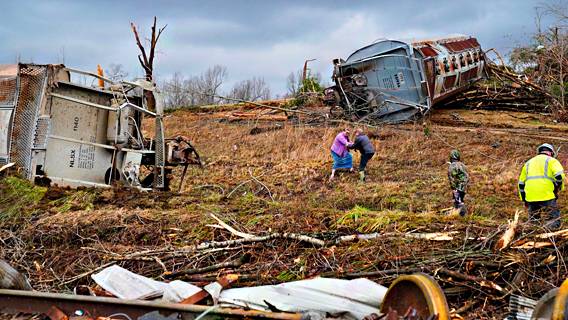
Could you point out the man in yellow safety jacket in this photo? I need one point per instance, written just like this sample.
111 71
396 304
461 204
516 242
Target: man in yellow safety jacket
542 177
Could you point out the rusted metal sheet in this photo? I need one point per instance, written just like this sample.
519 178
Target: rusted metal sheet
461 45
33 302
393 81
8 70
8 91
428 51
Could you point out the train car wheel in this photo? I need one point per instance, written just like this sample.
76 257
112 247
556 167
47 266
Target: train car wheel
418 293
559 312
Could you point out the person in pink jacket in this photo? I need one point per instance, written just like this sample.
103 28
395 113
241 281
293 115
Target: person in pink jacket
342 158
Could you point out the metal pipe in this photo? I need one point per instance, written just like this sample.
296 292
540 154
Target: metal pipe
14 301
128 104
87 73
100 145
86 103
100 106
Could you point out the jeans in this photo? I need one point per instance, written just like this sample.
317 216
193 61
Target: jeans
550 208
458 201
365 157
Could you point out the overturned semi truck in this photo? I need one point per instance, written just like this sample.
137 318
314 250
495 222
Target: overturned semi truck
74 134
393 81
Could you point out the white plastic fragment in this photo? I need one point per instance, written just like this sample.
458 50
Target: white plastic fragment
131 286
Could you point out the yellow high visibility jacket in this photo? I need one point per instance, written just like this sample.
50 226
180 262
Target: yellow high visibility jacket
538 178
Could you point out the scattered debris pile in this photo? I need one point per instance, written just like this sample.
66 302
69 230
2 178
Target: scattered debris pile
503 90
478 268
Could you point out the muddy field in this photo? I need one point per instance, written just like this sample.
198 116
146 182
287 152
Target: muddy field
266 177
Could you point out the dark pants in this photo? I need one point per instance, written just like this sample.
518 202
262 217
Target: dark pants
458 201
365 157
549 208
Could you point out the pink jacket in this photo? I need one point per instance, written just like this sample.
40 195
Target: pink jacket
340 144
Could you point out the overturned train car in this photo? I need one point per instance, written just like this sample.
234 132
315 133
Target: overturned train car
393 81
71 134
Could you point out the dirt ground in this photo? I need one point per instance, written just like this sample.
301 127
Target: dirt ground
276 181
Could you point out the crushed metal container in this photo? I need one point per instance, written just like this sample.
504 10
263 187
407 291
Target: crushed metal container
74 135
393 81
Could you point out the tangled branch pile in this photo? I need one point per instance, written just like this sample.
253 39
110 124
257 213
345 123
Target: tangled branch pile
478 267
504 90
545 61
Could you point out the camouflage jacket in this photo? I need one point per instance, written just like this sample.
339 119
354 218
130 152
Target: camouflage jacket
457 174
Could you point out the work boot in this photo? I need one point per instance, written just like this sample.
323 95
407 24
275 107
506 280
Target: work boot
463 210
361 176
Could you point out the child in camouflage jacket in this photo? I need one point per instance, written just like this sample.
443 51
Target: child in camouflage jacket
459 179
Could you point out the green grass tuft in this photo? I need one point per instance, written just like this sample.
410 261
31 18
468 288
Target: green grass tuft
18 197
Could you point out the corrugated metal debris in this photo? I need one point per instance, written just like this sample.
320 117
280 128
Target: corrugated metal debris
351 299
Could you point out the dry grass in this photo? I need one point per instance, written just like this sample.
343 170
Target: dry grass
407 189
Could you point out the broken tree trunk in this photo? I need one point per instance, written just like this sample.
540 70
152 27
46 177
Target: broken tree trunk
147 59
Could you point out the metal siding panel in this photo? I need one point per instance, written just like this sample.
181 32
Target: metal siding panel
42 129
430 71
5 120
73 160
375 49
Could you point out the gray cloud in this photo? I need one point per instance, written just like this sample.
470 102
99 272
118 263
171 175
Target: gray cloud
252 38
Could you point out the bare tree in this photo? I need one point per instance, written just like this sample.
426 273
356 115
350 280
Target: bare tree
147 60
116 72
293 83
193 88
299 82
251 90
210 81
194 91
176 92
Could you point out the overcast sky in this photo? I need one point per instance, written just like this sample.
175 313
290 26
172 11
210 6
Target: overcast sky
251 38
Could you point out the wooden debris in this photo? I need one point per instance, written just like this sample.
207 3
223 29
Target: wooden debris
237 116
560 233
231 229
509 234
533 245
432 236
505 91
224 265
481 281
